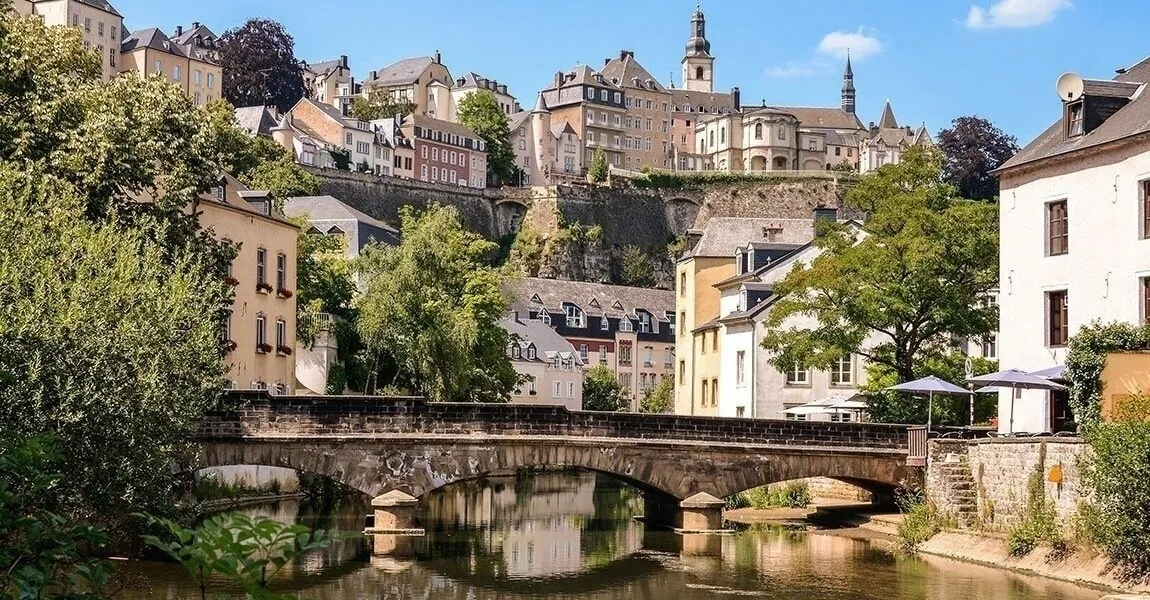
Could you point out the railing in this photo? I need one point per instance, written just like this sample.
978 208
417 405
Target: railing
916 446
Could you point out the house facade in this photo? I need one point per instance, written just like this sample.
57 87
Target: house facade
473 82
884 143
445 152
552 367
340 133
330 82
100 25
647 122
594 107
1075 223
422 80
189 59
546 151
260 332
629 330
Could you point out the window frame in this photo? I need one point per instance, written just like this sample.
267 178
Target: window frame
791 378
1057 318
281 271
261 266
1057 214
840 376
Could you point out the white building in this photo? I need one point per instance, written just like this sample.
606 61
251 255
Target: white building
884 143
473 82
553 368
545 150
1075 221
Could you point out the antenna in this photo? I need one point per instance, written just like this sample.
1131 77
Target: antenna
1070 87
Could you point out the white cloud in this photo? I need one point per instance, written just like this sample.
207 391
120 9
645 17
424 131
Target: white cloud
860 44
1015 13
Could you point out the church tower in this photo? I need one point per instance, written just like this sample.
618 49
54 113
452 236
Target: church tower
698 64
848 103
540 142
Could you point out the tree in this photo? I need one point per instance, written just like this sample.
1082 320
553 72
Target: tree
283 178
900 407
433 305
973 148
915 276
480 112
597 170
379 106
635 267
601 391
260 67
661 399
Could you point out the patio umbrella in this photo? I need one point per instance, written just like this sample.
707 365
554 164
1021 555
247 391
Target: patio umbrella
1015 380
817 407
930 386
1055 373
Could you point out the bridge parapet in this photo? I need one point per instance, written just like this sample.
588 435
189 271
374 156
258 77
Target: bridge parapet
262 415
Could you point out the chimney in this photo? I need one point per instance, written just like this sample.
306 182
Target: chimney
503 88
459 82
438 58
606 61
179 30
195 25
372 76
736 99
343 61
558 79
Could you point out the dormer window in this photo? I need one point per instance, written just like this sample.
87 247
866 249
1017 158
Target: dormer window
743 300
531 353
515 352
1074 120
575 317
604 323
545 317
739 263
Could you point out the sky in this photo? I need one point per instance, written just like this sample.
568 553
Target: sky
933 59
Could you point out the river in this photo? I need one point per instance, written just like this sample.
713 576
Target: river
572 535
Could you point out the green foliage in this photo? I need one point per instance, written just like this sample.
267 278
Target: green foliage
1117 476
210 486
635 267
44 555
1086 358
527 250
247 551
661 399
259 65
336 380
916 275
1039 522
974 148
896 407
433 305
793 494
283 178
341 157
603 392
920 520
324 280
480 112
379 106
597 170
688 180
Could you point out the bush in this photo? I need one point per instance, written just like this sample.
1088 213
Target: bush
795 494
920 520
1039 522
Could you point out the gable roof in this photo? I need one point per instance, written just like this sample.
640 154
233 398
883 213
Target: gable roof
583 75
713 101
403 71
189 34
625 70
548 343
824 117
551 294
1132 119
887 120
328 209
255 120
722 236
325 66
151 38
517 120
441 125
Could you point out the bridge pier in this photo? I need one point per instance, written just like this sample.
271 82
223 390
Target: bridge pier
394 515
701 514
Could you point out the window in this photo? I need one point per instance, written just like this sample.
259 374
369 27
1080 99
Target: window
990 345
575 317
211 80
714 392
531 353
758 131
1074 126
261 333
546 318
648 356
624 354
682 372
842 372
87 24
556 389
281 334
75 20
798 376
176 73
112 57
197 76
706 391
644 322
348 138
515 352
1145 285
1057 319
791 417
534 389
435 154
261 266
722 135
363 148
668 358
583 352
741 368
281 271
812 145
443 174
423 151
698 72
625 324
602 354
838 151
1057 230
570 389
782 133
158 67
843 417
1144 189
604 323
715 341
603 95
423 172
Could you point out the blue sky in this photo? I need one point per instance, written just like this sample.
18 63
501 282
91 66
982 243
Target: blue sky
934 59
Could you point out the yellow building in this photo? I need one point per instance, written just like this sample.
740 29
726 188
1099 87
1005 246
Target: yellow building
98 22
189 59
647 124
261 328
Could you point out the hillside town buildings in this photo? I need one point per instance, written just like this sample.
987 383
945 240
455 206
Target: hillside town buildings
422 80
1075 219
330 82
546 151
100 25
554 371
190 59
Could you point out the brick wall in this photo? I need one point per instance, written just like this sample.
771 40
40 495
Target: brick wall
261 415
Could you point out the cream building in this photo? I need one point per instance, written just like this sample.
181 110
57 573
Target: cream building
884 143
629 330
553 369
330 82
261 328
100 25
472 82
189 59
759 139
647 123
594 107
424 81
545 151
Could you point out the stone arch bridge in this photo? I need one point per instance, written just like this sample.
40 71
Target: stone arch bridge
406 447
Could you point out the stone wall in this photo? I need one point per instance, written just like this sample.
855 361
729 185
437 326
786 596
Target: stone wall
264 415
1001 469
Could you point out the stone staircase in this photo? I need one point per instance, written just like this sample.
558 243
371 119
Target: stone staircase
961 494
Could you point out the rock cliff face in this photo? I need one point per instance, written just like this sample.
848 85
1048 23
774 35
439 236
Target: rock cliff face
652 220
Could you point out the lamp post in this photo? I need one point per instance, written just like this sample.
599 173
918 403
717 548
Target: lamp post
969 374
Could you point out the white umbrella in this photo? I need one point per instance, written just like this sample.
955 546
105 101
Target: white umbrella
1015 380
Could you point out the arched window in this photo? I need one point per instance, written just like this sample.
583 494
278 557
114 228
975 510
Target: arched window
722 135
758 131
698 72
711 137
575 316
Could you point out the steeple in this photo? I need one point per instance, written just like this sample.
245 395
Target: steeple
540 105
698 64
848 91
887 121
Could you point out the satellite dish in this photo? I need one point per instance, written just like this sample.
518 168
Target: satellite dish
1069 87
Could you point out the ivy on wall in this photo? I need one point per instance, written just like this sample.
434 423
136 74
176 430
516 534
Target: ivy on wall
1087 358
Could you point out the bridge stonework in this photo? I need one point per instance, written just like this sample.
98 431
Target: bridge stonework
377 445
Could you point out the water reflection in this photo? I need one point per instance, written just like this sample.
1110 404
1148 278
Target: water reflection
572 535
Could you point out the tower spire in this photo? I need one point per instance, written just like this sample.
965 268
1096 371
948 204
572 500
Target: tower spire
848 89
698 64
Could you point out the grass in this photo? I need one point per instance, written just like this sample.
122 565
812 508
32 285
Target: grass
790 495
211 487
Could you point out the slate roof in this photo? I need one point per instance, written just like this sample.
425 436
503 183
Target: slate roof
325 66
824 117
99 4
516 120
255 120
1132 119
440 125
625 69
403 71
712 101
596 299
834 138
722 236
583 75
189 35
548 343
324 211
887 120
151 38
